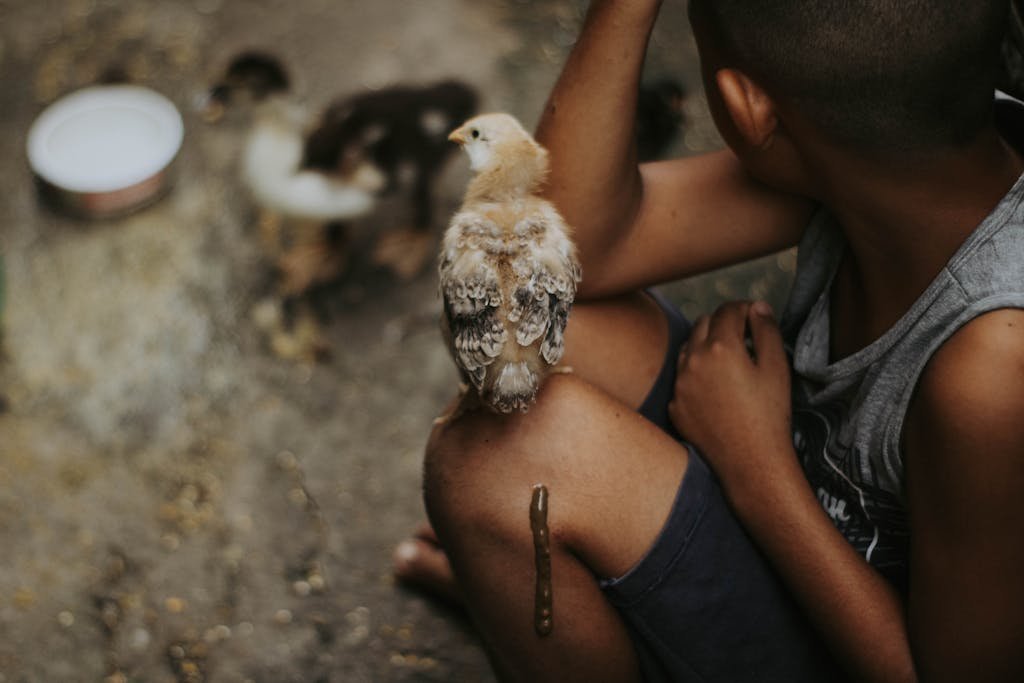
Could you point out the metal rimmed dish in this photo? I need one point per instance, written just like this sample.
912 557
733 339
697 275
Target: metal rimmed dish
104 151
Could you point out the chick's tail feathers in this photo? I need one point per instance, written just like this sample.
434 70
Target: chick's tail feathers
271 170
515 388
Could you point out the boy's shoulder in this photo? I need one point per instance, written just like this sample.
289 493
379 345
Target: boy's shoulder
973 387
964 486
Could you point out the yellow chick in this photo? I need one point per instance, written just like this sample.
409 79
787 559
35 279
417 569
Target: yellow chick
508 268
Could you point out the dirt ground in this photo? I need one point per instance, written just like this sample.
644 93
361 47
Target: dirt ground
178 503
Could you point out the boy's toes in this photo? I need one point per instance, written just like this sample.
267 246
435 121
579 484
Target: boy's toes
426 533
420 562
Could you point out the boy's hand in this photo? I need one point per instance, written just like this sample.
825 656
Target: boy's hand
732 403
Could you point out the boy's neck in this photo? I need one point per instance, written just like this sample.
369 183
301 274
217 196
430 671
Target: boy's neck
903 224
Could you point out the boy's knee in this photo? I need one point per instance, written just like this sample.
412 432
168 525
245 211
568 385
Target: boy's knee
478 468
590 451
479 440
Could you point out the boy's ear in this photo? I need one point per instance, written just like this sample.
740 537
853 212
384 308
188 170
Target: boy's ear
749 106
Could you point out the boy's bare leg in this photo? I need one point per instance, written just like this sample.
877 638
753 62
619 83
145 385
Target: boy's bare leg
618 345
612 478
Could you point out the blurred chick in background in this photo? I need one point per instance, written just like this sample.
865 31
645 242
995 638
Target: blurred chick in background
508 270
306 201
304 214
330 167
403 131
311 176
251 76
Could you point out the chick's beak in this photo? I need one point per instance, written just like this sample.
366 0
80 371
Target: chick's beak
458 136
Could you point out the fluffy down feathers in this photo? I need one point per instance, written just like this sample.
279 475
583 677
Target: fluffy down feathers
508 268
271 169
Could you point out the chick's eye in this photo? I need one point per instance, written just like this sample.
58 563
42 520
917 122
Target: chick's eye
474 133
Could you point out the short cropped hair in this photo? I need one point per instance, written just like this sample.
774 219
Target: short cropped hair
881 75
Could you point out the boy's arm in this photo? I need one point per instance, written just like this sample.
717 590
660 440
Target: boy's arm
964 449
735 407
640 226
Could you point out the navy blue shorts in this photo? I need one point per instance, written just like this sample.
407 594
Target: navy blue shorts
703 604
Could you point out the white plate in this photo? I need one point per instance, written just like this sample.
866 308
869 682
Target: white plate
105 138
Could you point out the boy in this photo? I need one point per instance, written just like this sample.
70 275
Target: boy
877 491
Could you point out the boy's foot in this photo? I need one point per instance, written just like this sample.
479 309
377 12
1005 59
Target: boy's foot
420 561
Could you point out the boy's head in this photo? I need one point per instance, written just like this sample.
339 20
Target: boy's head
884 77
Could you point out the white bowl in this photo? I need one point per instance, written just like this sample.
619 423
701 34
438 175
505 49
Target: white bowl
104 150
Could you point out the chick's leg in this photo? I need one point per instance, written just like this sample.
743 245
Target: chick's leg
406 252
467 401
319 255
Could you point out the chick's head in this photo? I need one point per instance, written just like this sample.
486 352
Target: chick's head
498 143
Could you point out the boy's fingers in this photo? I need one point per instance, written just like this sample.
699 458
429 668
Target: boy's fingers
729 323
766 336
699 333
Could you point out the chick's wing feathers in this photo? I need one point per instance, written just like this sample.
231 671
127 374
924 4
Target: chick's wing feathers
472 297
477 341
541 311
554 341
547 274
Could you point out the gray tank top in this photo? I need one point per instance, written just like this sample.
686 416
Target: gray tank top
848 415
